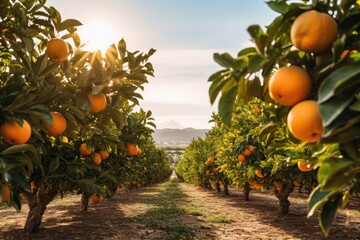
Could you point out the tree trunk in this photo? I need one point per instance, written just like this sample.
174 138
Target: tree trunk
84 202
246 191
226 189
217 185
37 206
283 196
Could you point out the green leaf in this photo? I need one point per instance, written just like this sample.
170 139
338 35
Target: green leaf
122 48
333 173
226 104
216 86
256 62
224 60
54 165
328 212
254 89
258 36
332 108
247 51
328 86
20 148
317 198
280 7
69 23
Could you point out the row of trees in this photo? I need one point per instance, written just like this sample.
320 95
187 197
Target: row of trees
289 107
67 121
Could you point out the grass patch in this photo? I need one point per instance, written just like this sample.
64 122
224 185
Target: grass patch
216 218
194 210
166 215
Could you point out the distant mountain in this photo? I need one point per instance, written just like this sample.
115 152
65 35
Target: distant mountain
171 136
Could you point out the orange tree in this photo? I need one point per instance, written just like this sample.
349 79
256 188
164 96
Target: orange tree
327 51
47 86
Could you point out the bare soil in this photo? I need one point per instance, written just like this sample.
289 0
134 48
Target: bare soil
201 214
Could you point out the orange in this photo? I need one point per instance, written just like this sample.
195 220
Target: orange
304 121
346 53
215 170
296 184
121 186
289 85
259 173
6 38
251 148
97 159
198 187
131 149
5 193
57 50
304 166
313 31
278 185
13 133
97 102
58 124
256 110
96 198
241 157
247 152
104 154
85 149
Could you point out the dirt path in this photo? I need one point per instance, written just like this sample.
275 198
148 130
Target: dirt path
173 210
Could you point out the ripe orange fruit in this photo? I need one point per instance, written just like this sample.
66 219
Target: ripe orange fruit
6 38
198 187
85 149
296 184
57 50
251 148
313 31
256 110
97 159
13 133
241 157
97 102
58 124
247 152
278 185
96 198
121 186
304 121
131 149
289 85
304 166
259 173
5 193
104 154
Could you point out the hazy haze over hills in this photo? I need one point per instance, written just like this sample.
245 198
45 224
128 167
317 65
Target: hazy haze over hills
170 135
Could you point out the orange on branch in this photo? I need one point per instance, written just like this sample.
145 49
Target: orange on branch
58 124
131 149
97 159
12 133
304 166
313 31
304 121
96 198
97 102
104 154
85 149
289 85
247 152
241 157
259 173
57 50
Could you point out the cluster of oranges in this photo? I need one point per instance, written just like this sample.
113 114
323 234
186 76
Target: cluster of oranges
209 161
311 32
87 150
132 149
248 151
19 131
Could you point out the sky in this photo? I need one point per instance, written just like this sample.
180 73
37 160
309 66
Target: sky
185 34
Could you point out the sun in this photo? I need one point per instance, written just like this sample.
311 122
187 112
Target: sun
99 35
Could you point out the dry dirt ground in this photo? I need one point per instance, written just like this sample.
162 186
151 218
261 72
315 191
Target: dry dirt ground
173 210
